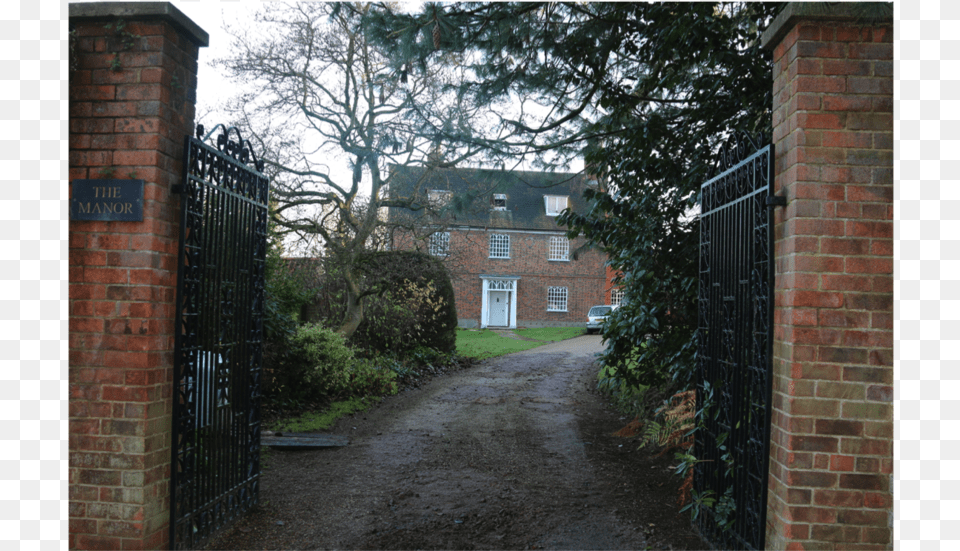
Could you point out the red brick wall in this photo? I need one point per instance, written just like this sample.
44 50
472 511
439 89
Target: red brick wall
831 451
128 119
529 260
608 285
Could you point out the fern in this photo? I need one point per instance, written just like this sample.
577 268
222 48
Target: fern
673 423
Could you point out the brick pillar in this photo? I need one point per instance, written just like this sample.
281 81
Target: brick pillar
132 95
831 454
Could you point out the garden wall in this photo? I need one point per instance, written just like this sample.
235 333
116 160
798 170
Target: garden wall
831 456
132 92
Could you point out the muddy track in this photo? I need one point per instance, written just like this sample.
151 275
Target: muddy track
514 453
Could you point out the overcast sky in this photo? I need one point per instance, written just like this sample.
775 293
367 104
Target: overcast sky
210 17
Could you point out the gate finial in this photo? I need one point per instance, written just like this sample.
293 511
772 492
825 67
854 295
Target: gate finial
239 150
737 148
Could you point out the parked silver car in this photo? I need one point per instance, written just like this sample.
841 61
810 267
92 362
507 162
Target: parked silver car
596 317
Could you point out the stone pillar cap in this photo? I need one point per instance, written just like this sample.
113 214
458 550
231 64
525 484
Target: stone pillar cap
868 13
164 11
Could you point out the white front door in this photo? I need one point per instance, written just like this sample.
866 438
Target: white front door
499 308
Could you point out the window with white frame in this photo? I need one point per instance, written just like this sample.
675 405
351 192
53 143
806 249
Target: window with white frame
499 201
556 299
616 295
559 248
555 204
440 243
499 245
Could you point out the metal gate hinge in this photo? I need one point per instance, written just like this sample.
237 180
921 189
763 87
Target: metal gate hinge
776 201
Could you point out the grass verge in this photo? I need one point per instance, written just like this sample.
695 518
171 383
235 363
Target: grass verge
485 344
320 420
551 334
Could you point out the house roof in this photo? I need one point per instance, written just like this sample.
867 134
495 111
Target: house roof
473 190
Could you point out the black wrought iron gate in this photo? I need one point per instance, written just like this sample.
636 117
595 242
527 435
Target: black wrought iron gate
218 356
735 347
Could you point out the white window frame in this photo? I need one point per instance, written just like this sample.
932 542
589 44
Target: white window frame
439 244
554 204
502 284
557 299
559 248
499 245
616 296
499 201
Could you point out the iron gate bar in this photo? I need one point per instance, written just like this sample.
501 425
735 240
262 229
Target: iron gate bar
219 337
735 347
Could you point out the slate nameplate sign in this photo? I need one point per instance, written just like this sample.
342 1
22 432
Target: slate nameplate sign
108 200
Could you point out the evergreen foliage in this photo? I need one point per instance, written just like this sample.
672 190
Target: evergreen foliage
416 307
322 356
647 93
290 285
321 364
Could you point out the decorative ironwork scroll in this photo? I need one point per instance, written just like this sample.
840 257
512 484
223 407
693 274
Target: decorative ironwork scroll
219 337
735 347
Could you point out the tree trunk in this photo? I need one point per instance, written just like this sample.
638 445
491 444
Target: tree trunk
354 314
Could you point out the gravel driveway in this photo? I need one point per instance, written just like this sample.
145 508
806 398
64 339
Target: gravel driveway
514 453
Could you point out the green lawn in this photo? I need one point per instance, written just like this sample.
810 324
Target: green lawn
551 334
485 344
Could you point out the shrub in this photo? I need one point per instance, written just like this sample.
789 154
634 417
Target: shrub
414 308
320 363
409 302
369 378
320 360
274 382
625 397
400 318
423 356
290 284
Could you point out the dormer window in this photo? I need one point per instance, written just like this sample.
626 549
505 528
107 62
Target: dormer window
499 202
438 197
555 204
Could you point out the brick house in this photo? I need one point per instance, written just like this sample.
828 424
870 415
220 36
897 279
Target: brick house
511 264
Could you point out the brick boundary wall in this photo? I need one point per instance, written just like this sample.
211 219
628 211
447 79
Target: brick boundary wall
831 456
132 96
